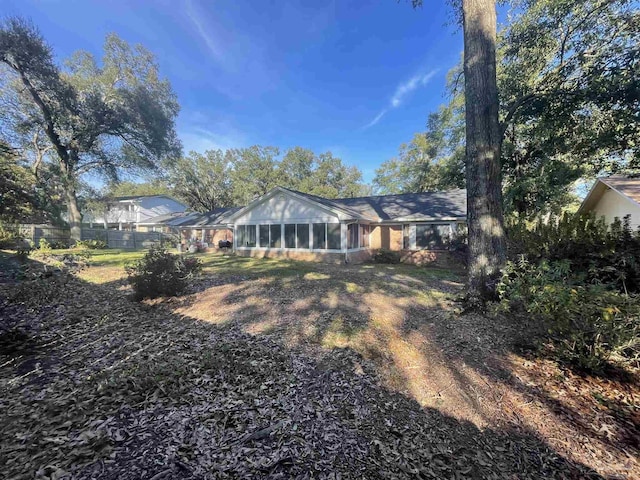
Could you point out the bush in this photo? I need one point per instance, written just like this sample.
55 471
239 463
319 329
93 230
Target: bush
599 253
587 324
91 244
9 238
386 256
160 273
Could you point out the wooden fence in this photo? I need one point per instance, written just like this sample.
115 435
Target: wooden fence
60 236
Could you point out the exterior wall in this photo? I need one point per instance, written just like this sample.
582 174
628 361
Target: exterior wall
388 237
286 209
305 255
612 205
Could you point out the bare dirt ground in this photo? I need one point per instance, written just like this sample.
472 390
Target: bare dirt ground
285 370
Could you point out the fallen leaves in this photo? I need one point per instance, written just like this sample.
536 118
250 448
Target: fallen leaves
114 389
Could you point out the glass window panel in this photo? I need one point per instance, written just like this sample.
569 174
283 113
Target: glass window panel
432 235
264 235
240 231
290 235
276 234
320 236
302 235
352 235
250 238
333 236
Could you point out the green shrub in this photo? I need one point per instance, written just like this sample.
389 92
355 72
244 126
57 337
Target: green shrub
599 253
586 324
43 245
9 238
386 256
160 273
93 244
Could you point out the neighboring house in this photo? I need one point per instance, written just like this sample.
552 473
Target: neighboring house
137 212
286 223
614 197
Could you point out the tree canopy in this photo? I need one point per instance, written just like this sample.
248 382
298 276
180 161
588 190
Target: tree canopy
568 83
235 177
86 116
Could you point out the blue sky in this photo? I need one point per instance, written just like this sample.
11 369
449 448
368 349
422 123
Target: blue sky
356 78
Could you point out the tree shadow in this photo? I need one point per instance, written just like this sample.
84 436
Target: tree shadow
127 390
406 323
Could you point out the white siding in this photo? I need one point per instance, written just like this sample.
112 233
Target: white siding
612 205
153 206
283 208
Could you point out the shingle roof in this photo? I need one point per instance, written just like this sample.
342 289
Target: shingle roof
164 218
217 216
627 186
402 207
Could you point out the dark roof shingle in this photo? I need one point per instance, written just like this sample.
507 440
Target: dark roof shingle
406 207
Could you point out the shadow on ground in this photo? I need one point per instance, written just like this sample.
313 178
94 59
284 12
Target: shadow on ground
307 372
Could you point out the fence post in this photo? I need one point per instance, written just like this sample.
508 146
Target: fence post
33 235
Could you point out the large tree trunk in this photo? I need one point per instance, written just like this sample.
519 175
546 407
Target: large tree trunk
487 243
74 214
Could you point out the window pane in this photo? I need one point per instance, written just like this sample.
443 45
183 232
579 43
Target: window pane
240 235
364 236
432 236
333 236
320 235
290 235
303 235
405 236
276 233
264 235
251 236
352 235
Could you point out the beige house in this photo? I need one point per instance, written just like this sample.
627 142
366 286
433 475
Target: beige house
290 224
614 197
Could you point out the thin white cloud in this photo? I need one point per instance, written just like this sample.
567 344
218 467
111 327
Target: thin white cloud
203 32
402 92
375 120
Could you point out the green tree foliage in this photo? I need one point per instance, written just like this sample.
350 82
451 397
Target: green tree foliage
203 181
90 117
236 177
17 185
431 161
568 77
254 172
129 188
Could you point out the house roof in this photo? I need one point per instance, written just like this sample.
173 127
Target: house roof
628 187
218 216
426 206
163 218
451 204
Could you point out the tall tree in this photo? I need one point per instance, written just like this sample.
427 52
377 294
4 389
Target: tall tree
487 242
97 118
203 180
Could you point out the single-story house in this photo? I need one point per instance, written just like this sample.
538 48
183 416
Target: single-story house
614 197
286 223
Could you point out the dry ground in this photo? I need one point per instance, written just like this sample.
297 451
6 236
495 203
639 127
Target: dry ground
284 369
